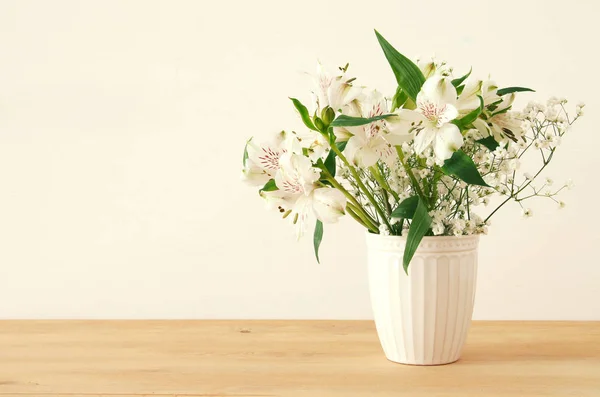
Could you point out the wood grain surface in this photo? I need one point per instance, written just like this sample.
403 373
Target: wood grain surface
288 358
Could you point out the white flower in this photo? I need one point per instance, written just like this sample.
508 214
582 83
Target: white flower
431 121
383 230
561 204
262 162
368 144
501 126
438 228
526 213
458 226
334 90
298 193
549 181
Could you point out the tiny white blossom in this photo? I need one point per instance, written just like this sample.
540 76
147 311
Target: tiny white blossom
526 212
561 204
438 228
383 230
549 181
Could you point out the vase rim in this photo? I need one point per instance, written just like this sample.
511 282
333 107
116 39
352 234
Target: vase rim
431 238
434 244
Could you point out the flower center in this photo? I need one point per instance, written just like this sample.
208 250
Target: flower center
433 112
270 158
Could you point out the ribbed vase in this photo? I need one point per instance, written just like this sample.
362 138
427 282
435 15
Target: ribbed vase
422 318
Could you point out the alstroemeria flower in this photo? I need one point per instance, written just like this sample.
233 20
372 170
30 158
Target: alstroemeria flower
501 126
262 163
431 121
298 193
498 122
334 90
367 143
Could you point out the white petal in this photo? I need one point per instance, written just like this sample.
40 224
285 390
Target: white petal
352 147
438 89
468 99
300 213
447 115
482 127
488 91
424 138
254 176
448 140
367 156
328 204
507 100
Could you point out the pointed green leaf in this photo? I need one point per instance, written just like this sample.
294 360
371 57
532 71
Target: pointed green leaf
304 114
269 186
418 228
406 209
457 82
330 162
401 100
510 90
489 142
318 236
349 121
462 166
408 75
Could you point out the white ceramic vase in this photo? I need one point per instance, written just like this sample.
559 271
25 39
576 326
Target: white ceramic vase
422 318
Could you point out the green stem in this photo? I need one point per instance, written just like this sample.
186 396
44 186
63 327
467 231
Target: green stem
522 188
410 174
362 186
357 207
381 180
360 217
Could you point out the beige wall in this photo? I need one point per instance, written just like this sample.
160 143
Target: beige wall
121 130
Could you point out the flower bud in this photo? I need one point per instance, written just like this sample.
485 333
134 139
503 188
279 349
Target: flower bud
327 114
320 125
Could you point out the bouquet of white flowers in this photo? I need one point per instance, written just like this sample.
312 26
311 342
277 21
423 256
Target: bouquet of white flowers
419 163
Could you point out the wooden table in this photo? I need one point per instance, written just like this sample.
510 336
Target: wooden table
288 358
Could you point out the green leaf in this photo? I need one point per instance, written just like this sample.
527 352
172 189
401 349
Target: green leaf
457 82
510 90
406 209
304 114
401 100
408 75
462 166
418 228
269 186
330 162
488 142
348 121
317 238
463 122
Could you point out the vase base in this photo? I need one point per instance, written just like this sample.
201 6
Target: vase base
417 364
